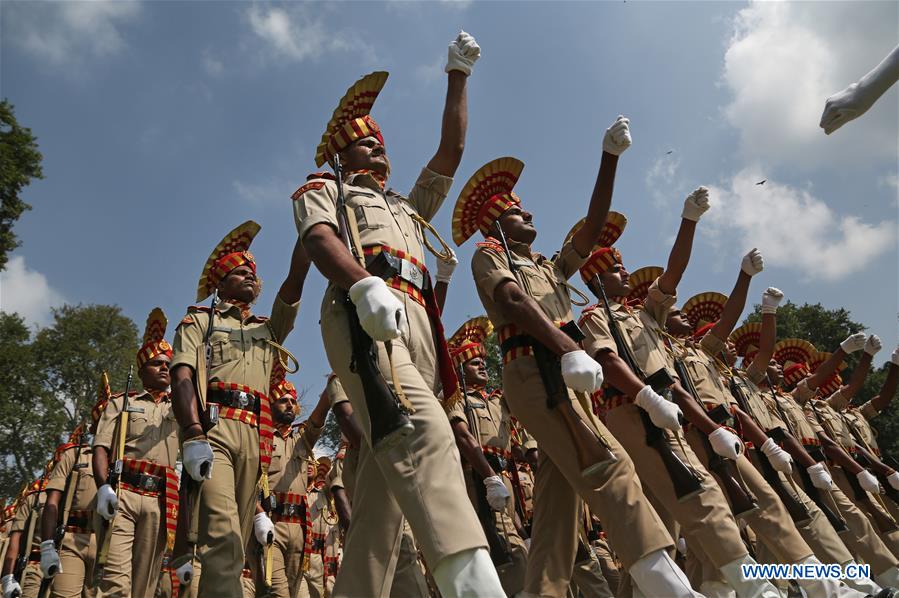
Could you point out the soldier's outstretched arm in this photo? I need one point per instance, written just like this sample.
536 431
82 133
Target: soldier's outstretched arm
524 311
771 298
856 381
853 343
694 207
751 265
888 390
12 551
617 138
292 288
348 425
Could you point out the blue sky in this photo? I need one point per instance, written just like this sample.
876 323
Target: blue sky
165 124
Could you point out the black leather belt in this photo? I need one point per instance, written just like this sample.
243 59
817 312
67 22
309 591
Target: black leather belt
516 342
289 510
83 522
385 265
236 399
142 481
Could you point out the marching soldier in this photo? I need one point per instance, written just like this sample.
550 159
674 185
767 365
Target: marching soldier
6 517
221 372
380 293
629 344
322 545
483 429
137 436
545 376
21 564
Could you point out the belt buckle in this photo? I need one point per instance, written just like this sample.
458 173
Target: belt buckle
243 399
149 483
410 273
212 413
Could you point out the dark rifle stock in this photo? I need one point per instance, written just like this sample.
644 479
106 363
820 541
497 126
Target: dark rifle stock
386 417
864 454
685 481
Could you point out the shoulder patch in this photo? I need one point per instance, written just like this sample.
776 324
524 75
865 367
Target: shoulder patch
490 245
312 186
198 308
321 175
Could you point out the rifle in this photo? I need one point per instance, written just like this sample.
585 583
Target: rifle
686 482
864 454
797 511
115 471
499 550
594 453
389 423
742 502
28 538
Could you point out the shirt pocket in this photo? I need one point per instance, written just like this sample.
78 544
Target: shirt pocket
539 285
371 211
224 347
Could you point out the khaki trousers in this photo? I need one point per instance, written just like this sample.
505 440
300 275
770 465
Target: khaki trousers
226 505
511 576
705 518
287 559
419 479
31 580
135 548
608 564
614 494
891 539
314 584
76 559
770 521
587 580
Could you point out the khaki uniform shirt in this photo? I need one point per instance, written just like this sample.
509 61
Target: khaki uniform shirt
336 394
152 435
527 488
491 418
241 351
288 472
831 422
710 386
760 402
83 485
34 501
860 422
802 428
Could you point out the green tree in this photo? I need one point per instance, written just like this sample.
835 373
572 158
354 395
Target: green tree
20 162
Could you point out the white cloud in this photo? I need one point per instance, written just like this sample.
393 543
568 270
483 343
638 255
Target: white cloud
264 192
292 33
793 228
27 293
431 72
213 66
661 180
785 59
64 32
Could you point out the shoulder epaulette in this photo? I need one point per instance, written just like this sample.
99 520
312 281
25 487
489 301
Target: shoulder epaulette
192 309
490 245
321 175
586 312
260 319
119 395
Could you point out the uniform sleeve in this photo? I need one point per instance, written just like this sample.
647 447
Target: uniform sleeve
756 371
311 433
60 473
106 425
569 261
712 345
336 394
315 203
658 303
598 335
869 411
428 193
283 317
457 412
490 269
188 336
838 400
23 510
812 418
802 393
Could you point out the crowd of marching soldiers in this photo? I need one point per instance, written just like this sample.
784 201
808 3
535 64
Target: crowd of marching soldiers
648 447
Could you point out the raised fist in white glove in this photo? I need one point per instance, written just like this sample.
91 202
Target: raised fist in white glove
662 413
868 482
696 204
263 529
893 480
617 137
49 559
753 263
581 372
463 52
197 458
853 343
10 586
856 99
380 313
820 476
107 502
726 443
445 268
894 358
779 458
771 299
497 494
873 345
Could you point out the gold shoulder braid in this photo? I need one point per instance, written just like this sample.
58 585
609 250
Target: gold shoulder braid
426 227
584 300
283 352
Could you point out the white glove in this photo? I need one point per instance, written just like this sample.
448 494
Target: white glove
264 529
820 476
726 443
445 268
107 502
771 299
753 263
664 414
497 495
868 482
380 313
197 459
581 372
779 458
893 480
617 137
464 51
681 545
49 559
185 572
527 543
10 586
895 356
696 205
853 343
873 345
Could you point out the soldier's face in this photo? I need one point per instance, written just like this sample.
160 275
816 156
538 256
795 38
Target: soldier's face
284 410
775 372
677 324
154 374
475 371
241 284
616 281
365 154
518 225
730 353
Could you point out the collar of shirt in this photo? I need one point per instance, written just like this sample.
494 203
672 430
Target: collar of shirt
240 310
367 178
156 396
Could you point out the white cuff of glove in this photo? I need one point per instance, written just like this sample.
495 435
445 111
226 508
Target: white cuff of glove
264 529
9 585
696 204
197 458
445 268
462 53
581 372
380 312
726 443
853 343
779 458
820 476
663 413
107 502
50 564
873 345
497 494
868 481
893 480
185 572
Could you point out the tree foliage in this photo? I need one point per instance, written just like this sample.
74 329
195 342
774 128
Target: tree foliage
20 162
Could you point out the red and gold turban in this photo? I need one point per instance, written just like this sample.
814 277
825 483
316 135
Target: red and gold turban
606 256
794 355
230 253
468 342
484 198
747 337
640 280
611 230
154 338
703 310
351 120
